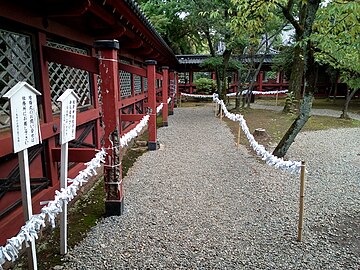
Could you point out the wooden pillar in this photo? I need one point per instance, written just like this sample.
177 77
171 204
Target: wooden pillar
191 77
165 95
261 74
172 91
151 78
109 73
96 103
213 77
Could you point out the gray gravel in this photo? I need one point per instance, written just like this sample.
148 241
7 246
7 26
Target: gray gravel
199 203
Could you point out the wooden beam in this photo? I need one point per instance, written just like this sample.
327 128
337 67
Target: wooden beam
134 44
115 32
133 69
67 8
71 59
75 154
131 117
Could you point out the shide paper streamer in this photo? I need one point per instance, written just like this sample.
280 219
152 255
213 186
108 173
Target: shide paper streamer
29 232
290 166
234 94
260 93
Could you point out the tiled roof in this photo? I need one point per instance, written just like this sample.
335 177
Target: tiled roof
198 59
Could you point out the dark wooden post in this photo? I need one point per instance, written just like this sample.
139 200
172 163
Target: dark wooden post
261 75
151 77
191 78
109 74
165 95
172 91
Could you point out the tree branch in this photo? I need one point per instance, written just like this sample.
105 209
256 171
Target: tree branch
287 13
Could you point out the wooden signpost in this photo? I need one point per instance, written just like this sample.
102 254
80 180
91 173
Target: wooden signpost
25 133
67 133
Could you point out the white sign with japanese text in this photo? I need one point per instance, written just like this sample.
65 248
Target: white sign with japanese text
24 116
68 116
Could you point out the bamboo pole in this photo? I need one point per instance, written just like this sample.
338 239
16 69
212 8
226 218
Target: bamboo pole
238 137
301 207
277 95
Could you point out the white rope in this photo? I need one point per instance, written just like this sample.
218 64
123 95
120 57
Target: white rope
259 93
196 96
288 165
244 92
29 232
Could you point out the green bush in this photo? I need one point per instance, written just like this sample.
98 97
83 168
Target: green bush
205 85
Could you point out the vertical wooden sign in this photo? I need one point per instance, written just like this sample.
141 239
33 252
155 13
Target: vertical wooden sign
67 133
25 133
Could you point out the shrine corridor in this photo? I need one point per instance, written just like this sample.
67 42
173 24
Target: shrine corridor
200 203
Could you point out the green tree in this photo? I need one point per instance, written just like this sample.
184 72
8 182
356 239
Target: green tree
171 19
337 42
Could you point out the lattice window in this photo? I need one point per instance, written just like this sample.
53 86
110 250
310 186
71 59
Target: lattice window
125 81
184 78
137 84
125 84
145 83
16 64
64 77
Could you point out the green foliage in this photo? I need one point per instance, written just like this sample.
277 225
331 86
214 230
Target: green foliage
171 19
205 85
283 61
337 39
213 63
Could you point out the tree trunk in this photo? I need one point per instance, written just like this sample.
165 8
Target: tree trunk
297 71
226 58
285 143
310 81
349 96
296 79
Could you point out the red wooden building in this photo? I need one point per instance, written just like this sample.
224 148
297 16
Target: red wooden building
118 65
267 79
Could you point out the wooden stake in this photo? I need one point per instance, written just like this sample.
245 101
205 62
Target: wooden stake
301 207
180 101
221 113
216 109
26 202
277 95
63 184
238 137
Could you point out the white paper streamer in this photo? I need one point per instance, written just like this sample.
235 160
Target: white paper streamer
29 232
289 165
159 108
244 92
196 96
126 138
259 93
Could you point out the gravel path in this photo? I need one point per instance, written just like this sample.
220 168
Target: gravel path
199 203
314 111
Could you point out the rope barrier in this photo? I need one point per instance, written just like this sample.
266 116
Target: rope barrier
288 165
29 232
234 94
